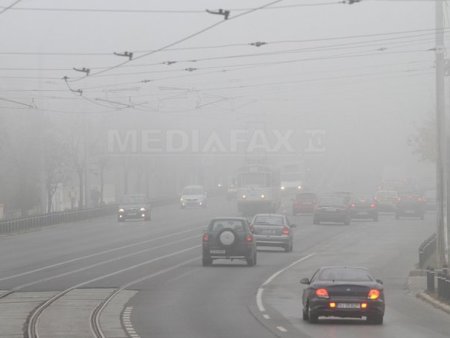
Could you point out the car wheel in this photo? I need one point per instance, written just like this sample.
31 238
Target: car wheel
121 220
347 221
206 261
375 319
397 216
312 316
251 261
375 219
305 314
316 221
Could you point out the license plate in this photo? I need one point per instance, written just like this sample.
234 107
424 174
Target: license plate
348 306
217 252
268 232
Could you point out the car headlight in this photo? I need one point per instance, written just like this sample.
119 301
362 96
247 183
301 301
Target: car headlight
121 210
142 209
299 187
181 199
263 196
282 188
244 196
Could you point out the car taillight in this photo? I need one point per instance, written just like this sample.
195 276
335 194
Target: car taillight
322 293
353 205
285 231
373 205
374 294
249 238
205 237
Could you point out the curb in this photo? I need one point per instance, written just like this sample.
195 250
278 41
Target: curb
434 302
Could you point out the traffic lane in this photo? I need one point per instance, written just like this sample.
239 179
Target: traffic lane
40 249
389 249
215 301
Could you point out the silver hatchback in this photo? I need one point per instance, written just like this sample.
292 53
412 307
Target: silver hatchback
273 230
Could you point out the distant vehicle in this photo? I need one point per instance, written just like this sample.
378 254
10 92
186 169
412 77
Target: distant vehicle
134 207
410 204
347 197
348 292
304 202
231 191
364 207
228 238
258 189
291 179
387 200
193 196
273 230
332 209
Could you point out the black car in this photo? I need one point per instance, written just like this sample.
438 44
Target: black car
339 291
411 204
134 207
228 238
364 207
332 209
273 230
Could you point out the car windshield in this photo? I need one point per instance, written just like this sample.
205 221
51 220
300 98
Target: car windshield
218 225
291 177
269 220
134 199
332 200
193 191
305 197
344 274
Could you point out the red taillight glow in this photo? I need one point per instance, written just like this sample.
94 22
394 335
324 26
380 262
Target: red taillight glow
363 305
205 237
353 205
249 238
374 294
322 293
332 305
373 205
285 231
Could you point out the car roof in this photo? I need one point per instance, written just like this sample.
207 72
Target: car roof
344 267
229 218
270 215
193 186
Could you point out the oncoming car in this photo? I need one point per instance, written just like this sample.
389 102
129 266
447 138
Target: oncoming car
228 238
193 196
339 291
134 207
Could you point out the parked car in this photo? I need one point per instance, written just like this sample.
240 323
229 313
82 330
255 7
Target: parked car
387 200
273 230
332 209
304 202
411 204
228 238
134 207
364 207
193 196
339 291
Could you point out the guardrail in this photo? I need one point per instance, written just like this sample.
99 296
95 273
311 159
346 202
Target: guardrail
426 250
438 283
27 223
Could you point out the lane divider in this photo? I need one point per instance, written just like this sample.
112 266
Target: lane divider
260 292
126 319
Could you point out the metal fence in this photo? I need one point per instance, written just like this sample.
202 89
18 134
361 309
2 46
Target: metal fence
26 223
438 283
426 250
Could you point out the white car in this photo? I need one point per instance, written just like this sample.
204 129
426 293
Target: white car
193 196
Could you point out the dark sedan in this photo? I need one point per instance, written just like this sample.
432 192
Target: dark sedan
332 209
339 291
134 207
304 202
364 207
411 204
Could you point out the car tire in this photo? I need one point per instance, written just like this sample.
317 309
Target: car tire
251 260
312 316
397 216
316 221
121 220
348 221
375 319
288 247
305 315
206 261
375 219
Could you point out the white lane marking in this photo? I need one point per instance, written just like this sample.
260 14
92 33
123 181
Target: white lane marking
97 254
101 263
266 316
79 285
282 329
259 302
126 319
276 274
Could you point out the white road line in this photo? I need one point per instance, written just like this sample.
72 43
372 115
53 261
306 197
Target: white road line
282 329
259 302
266 316
127 322
276 274
155 239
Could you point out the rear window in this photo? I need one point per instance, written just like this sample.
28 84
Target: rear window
269 220
343 274
134 199
306 197
218 225
193 191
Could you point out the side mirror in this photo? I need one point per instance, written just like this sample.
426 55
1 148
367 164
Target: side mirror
379 281
305 281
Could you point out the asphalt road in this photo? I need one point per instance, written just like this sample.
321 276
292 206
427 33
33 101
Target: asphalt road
177 297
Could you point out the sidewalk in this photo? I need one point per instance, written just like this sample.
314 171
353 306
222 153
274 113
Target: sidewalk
417 284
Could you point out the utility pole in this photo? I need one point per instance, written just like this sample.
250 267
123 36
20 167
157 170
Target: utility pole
441 140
